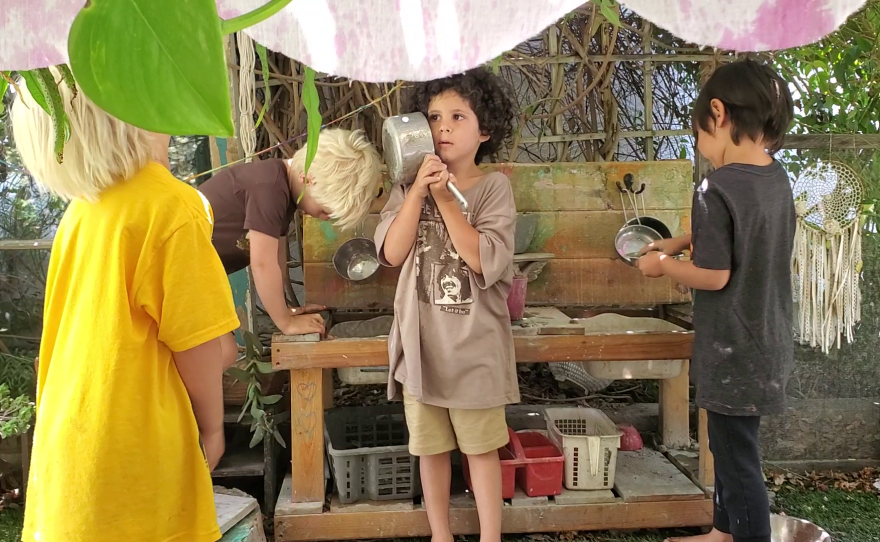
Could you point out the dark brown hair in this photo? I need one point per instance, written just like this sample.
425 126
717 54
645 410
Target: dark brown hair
487 95
757 101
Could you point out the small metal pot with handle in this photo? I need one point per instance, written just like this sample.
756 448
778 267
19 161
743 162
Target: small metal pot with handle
406 139
356 259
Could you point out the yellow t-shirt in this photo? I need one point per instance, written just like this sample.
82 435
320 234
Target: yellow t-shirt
116 456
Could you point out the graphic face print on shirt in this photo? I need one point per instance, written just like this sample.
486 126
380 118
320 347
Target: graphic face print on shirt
443 278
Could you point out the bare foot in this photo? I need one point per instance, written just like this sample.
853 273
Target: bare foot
713 536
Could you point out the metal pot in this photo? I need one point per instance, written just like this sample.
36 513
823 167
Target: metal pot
789 529
654 223
356 259
406 139
631 239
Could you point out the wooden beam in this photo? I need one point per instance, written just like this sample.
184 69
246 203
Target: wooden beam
464 521
834 142
675 410
706 470
373 352
29 244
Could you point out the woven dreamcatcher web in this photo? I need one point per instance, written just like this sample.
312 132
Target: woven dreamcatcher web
827 255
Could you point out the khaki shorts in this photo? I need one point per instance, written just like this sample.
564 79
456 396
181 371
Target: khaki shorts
435 430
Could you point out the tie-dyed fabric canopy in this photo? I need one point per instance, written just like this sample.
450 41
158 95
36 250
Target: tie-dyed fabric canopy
386 40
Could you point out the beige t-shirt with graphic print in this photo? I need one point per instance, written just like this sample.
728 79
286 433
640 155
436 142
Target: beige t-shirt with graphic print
451 343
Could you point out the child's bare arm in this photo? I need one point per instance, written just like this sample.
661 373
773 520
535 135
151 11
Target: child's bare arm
201 370
402 232
265 265
694 277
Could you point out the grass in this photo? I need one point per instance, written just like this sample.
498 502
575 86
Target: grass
10 525
848 517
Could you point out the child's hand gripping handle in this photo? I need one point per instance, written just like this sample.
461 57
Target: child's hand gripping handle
458 195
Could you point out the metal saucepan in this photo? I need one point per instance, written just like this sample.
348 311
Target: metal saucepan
631 239
654 223
356 259
406 139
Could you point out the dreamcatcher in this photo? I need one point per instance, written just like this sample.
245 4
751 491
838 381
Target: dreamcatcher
827 257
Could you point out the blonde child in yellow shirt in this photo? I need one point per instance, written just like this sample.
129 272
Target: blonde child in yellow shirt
136 336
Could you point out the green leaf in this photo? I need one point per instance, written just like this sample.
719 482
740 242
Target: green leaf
238 374
258 436
256 413
610 14
3 85
271 400
60 122
310 102
33 86
253 17
279 438
156 64
265 367
69 80
267 92
252 344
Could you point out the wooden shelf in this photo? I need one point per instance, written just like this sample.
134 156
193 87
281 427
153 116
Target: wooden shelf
241 464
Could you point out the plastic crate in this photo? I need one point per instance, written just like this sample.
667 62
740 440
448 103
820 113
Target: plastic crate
368 453
589 441
542 470
509 464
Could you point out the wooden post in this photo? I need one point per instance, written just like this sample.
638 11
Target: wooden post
648 74
707 462
307 439
675 410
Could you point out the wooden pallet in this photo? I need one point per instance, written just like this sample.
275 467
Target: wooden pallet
650 492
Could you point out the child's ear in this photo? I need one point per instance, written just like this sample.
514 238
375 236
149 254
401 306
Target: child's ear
484 137
718 111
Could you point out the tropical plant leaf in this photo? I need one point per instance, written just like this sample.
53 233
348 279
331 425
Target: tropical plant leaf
55 108
265 367
4 83
279 438
33 86
271 399
69 80
310 102
259 433
165 72
239 374
267 91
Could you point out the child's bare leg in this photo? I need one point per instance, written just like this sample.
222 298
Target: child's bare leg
436 472
485 470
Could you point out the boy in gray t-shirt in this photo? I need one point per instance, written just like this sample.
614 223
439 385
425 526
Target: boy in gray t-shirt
742 234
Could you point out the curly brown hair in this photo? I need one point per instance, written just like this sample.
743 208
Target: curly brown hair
488 96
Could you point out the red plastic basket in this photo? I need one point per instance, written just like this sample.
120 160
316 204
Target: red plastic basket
542 464
509 464
531 461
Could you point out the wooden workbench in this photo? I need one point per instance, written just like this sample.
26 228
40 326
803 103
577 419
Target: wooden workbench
301 513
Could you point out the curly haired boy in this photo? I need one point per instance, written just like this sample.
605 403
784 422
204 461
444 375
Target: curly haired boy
451 346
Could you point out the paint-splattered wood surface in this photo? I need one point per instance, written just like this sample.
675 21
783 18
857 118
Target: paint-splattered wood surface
579 213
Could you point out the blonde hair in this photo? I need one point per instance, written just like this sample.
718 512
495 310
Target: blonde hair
346 172
102 150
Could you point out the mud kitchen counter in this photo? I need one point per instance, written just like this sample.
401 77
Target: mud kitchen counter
577 209
651 494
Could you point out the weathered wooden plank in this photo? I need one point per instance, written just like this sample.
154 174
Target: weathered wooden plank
599 282
646 475
577 282
34 244
590 186
463 521
307 438
832 141
565 234
373 352
675 409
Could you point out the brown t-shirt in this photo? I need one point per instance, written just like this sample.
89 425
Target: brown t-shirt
253 196
451 343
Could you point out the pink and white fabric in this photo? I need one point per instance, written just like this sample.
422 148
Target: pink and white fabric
385 40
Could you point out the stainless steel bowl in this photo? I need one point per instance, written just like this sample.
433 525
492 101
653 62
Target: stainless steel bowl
631 239
406 139
356 259
789 529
